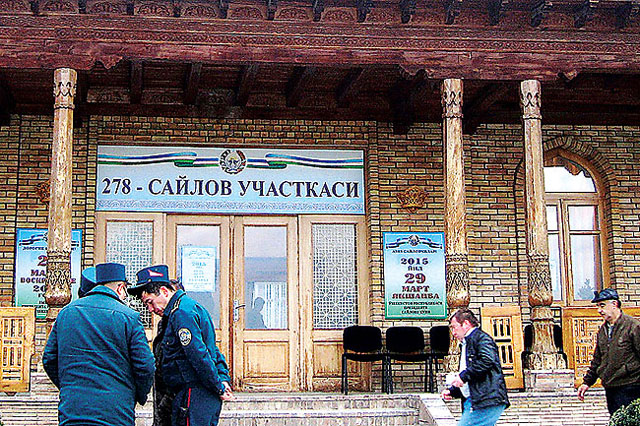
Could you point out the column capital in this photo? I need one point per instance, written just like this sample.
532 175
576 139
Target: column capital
530 99
452 98
64 88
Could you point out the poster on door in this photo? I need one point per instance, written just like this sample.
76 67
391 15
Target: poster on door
414 275
31 267
198 268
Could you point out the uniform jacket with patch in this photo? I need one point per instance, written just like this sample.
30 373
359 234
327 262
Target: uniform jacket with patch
98 356
616 362
190 356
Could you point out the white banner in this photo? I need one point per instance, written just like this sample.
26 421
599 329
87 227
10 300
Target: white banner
220 180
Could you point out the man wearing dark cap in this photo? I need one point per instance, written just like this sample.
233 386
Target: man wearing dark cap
87 281
192 366
616 359
98 356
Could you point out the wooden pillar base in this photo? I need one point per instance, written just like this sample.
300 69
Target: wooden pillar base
549 380
546 361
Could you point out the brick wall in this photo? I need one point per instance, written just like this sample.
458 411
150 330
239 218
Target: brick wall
394 162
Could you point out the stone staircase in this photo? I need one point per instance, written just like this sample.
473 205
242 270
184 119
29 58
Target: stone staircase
560 408
281 409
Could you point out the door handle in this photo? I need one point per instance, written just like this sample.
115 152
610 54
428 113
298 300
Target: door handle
236 310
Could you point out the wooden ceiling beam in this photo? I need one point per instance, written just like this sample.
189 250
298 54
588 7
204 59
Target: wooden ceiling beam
82 88
539 12
192 83
318 8
363 7
223 5
496 9
584 12
7 103
135 82
246 82
401 100
298 83
625 12
475 110
272 6
348 87
407 10
452 11
35 6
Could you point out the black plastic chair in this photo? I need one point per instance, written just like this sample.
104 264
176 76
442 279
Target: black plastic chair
362 343
406 344
439 344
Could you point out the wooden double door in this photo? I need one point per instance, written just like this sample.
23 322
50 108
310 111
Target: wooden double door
280 289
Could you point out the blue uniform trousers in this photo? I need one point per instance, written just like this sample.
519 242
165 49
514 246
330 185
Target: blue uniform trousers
202 407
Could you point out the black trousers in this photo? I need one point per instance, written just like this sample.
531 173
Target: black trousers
621 395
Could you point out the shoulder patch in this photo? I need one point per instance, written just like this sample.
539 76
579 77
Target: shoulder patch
185 336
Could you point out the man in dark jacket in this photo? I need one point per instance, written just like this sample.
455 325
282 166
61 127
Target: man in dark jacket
98 356
480 382
192 365
616 358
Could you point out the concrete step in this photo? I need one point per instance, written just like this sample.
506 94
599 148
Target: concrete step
252 409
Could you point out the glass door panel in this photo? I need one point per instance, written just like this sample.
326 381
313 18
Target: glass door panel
198 255
198 265
265 320
265 277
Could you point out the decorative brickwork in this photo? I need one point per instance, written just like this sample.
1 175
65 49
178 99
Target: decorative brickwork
497 257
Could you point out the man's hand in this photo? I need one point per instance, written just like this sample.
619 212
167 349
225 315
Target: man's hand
228 394
446 395
581 391
457 381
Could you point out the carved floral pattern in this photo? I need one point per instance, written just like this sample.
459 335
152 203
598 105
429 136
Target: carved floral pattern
58 279
248 13
539 282
108 7
15 5
293 14
59 6
457 279
199 11
154 9
413 198
530 100
338 15
451 101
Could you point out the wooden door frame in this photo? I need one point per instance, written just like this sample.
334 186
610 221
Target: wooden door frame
240 334
308 336
158 253
224 222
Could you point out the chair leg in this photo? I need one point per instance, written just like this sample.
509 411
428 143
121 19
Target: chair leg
385 375
345 378
427 375
389 377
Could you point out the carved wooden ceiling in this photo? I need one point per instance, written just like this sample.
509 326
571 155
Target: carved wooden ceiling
325 59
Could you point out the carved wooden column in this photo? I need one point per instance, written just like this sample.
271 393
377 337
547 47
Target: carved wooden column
58 279
455 223
544 354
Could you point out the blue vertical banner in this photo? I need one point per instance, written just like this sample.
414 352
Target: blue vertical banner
414 275
31 267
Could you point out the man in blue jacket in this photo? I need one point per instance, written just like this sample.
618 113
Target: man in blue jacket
480 381
98 356
192 365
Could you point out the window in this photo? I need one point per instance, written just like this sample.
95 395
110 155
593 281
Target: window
574 223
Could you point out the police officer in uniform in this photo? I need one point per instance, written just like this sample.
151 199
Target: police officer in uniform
192 366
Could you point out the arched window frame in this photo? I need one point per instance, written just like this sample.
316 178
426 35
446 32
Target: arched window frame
562 202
